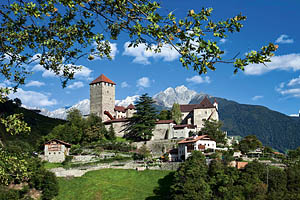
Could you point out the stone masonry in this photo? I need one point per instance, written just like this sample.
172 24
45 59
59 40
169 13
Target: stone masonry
102 97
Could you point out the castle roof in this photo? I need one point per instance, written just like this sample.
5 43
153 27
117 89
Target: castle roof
130 107
120 108
205 103
102 78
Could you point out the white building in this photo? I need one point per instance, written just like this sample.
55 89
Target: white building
196 143
196 114
55 151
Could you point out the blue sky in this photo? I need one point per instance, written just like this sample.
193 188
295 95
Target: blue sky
136 71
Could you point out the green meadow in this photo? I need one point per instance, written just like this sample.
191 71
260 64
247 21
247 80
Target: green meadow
110 184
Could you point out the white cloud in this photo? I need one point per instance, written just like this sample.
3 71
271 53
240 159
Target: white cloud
34 84
142 56
255 98
223 40
124 84
83 72
284 39
284 62
143 82
289 89
33 99
198 79
76 85
294 81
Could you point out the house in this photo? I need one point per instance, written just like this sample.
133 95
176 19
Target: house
195 143
196 114
55 150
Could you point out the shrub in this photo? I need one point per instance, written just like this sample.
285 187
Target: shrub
6 194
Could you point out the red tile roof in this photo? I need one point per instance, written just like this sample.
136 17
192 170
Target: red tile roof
192 139
102 78
120 108
205 103
164 122
130 107
59 141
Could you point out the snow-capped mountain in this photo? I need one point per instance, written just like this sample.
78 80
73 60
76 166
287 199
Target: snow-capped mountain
61 113
126 102
180 94
165 99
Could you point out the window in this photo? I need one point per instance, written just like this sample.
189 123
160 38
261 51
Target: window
190 147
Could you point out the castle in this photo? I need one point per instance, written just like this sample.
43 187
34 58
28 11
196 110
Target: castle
102 103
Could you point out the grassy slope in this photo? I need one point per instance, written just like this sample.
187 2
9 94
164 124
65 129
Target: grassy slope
116 184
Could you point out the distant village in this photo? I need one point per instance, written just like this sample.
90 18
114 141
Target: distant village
170 141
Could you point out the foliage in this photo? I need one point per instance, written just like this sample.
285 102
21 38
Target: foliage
190 180
176 113
142 123
111 135
212 128
46 182
79 130
142 153
248 143
61 31
164 115
13 167
255 181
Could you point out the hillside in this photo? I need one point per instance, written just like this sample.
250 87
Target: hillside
40 125
272 128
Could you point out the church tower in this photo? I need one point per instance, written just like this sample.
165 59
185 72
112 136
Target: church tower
102 97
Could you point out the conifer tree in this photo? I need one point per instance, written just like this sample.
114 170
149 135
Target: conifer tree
142 123
176 113
111 134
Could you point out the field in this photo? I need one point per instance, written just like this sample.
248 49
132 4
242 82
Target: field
110 184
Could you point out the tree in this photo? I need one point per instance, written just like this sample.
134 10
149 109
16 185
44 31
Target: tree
212 128
191 179
248 143
111 135
142 123
56 33
164 115
176 113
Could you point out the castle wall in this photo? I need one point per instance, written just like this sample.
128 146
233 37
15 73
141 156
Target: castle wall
102 98
162 132
118 128
203 114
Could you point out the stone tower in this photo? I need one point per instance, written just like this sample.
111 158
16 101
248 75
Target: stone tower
102 97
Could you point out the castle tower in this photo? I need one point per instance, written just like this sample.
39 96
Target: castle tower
102 97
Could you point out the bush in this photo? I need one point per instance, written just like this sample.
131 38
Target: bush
46 182
6 194
75 149
67 160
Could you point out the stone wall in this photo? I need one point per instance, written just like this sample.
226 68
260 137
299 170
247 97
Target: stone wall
158 147
118 128
162 132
